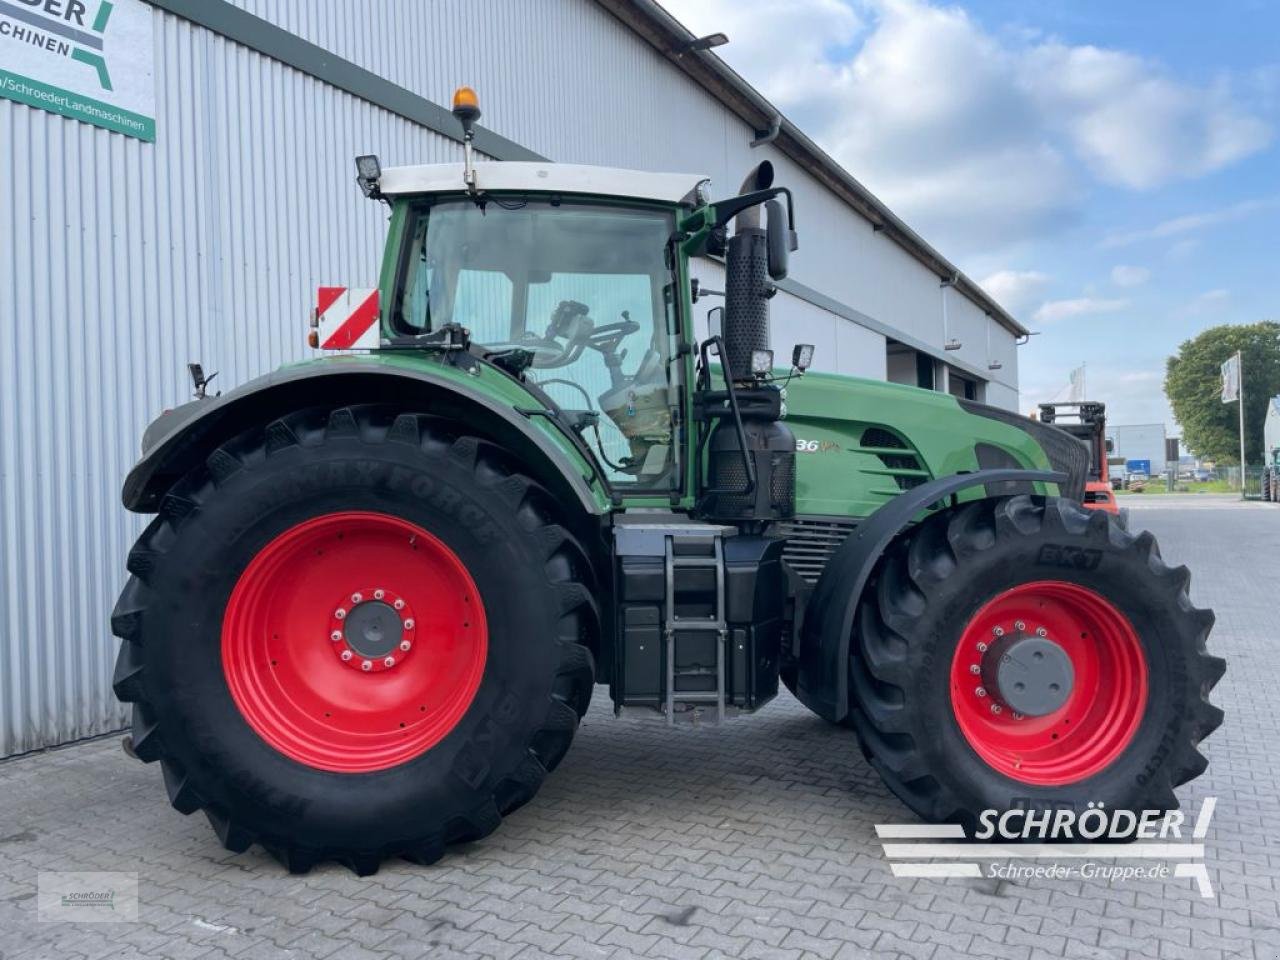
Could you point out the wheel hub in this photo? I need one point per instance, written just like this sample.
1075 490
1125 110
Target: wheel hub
357 583
1028 673
1048 682
372 630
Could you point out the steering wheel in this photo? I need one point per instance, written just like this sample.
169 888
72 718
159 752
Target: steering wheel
608 336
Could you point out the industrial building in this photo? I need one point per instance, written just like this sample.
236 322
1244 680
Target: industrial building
1142 444
188 208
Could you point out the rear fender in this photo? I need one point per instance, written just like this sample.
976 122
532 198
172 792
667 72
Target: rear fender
822 681
183 438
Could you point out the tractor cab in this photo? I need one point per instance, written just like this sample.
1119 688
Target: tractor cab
576 294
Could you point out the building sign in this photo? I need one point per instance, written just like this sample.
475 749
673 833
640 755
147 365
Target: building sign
86 59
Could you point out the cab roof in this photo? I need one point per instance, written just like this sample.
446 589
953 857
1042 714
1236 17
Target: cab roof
543 177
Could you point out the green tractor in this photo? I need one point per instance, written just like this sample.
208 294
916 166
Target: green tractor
380 587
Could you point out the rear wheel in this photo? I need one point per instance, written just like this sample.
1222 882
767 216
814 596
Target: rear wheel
355 634
1027 652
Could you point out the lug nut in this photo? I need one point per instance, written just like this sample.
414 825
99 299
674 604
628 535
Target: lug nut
981 691
379 594
408 624
340 613
1041 632
399 604
346 655
366 665
982 647
997 631
1017 716
995 708
1019 625
335 636
974 668
389 662
405 645
357 597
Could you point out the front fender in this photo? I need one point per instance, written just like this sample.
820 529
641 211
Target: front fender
822 680
183 438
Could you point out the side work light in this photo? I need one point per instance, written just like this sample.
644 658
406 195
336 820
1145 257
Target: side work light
802 356
761 362
368 173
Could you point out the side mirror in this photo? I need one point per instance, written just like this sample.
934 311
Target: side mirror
715 322
779 239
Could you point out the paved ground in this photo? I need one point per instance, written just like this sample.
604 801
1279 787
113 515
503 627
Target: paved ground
752 841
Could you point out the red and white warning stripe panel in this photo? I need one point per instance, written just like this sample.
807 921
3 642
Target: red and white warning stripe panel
347 318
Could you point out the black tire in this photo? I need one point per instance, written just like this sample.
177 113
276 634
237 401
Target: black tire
927 588
533 577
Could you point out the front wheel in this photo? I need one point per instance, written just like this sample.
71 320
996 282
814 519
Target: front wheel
1027 652
355 634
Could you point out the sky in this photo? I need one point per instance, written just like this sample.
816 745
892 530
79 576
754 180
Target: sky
1108 171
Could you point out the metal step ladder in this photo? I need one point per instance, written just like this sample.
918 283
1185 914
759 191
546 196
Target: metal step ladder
674 625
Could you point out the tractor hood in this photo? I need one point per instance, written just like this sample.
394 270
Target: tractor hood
861 442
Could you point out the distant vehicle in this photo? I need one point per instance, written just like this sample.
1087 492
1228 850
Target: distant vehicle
1090 427
1201 475
1271 452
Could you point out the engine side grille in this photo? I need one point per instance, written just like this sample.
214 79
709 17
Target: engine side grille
811 542
905 468
879 437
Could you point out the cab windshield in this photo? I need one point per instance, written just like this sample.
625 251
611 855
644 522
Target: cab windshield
587 291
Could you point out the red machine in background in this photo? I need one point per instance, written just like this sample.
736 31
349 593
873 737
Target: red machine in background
1088 422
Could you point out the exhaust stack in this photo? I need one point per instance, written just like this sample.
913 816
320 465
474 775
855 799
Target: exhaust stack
747 286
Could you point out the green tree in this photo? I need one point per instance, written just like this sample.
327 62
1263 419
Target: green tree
1193 384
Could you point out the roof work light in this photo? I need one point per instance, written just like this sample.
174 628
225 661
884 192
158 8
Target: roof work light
368 172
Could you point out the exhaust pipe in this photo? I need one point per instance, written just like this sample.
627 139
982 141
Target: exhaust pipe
759 450
760 178
747 286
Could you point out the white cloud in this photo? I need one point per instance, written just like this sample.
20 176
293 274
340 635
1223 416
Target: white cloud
774 39
1193 222
1209 302
1134 125
1127 276
1016 290
1055 310
979 140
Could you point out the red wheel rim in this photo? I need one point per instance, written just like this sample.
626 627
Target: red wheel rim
1100 715
327 697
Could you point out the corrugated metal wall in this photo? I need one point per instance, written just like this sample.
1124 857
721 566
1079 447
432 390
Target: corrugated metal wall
125 260
122 262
